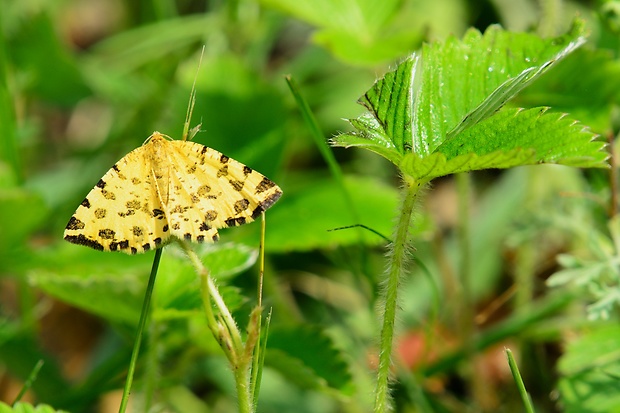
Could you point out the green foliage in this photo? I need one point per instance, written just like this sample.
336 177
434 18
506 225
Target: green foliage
375 203
98 282
28 408
52 74
590 369
366 32
440 111
75 96
307 356
598 277
587 98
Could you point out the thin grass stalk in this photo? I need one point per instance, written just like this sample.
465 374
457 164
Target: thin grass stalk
29 381
258 356
516 374
143 315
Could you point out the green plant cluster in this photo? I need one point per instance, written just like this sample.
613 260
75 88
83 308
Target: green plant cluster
414 240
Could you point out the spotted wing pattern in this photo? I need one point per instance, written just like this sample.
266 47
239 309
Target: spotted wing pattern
169 188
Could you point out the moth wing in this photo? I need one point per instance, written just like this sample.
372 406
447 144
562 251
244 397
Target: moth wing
123 212
222 192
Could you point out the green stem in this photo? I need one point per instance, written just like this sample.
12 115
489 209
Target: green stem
242 382
465 299
31 378
225 331
136 346
326 152
398 257
525 397
257 366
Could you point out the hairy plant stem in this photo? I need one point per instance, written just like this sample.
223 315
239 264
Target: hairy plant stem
225 330
398 257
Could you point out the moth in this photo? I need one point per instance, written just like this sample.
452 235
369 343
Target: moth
169 188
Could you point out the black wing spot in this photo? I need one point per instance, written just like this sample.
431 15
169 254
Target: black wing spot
264 185
108 195
82 240
107 233
237 185
266 204
114 246
75 224
241 205
233 222
223 171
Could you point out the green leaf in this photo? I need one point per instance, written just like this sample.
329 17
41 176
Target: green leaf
370 136
390 101
590 97
461 83
8 144
42 59
440 111
127 50
307 356
108 285
112 285
510 138
21 213
596 278
591 367
305 215
20 407
178 286
182 399
354 30
367 32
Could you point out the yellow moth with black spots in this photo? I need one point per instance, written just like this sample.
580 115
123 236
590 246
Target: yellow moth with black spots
169 188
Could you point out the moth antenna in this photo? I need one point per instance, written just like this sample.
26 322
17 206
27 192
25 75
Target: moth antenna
192 101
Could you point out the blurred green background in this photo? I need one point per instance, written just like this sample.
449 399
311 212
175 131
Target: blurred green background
83 82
